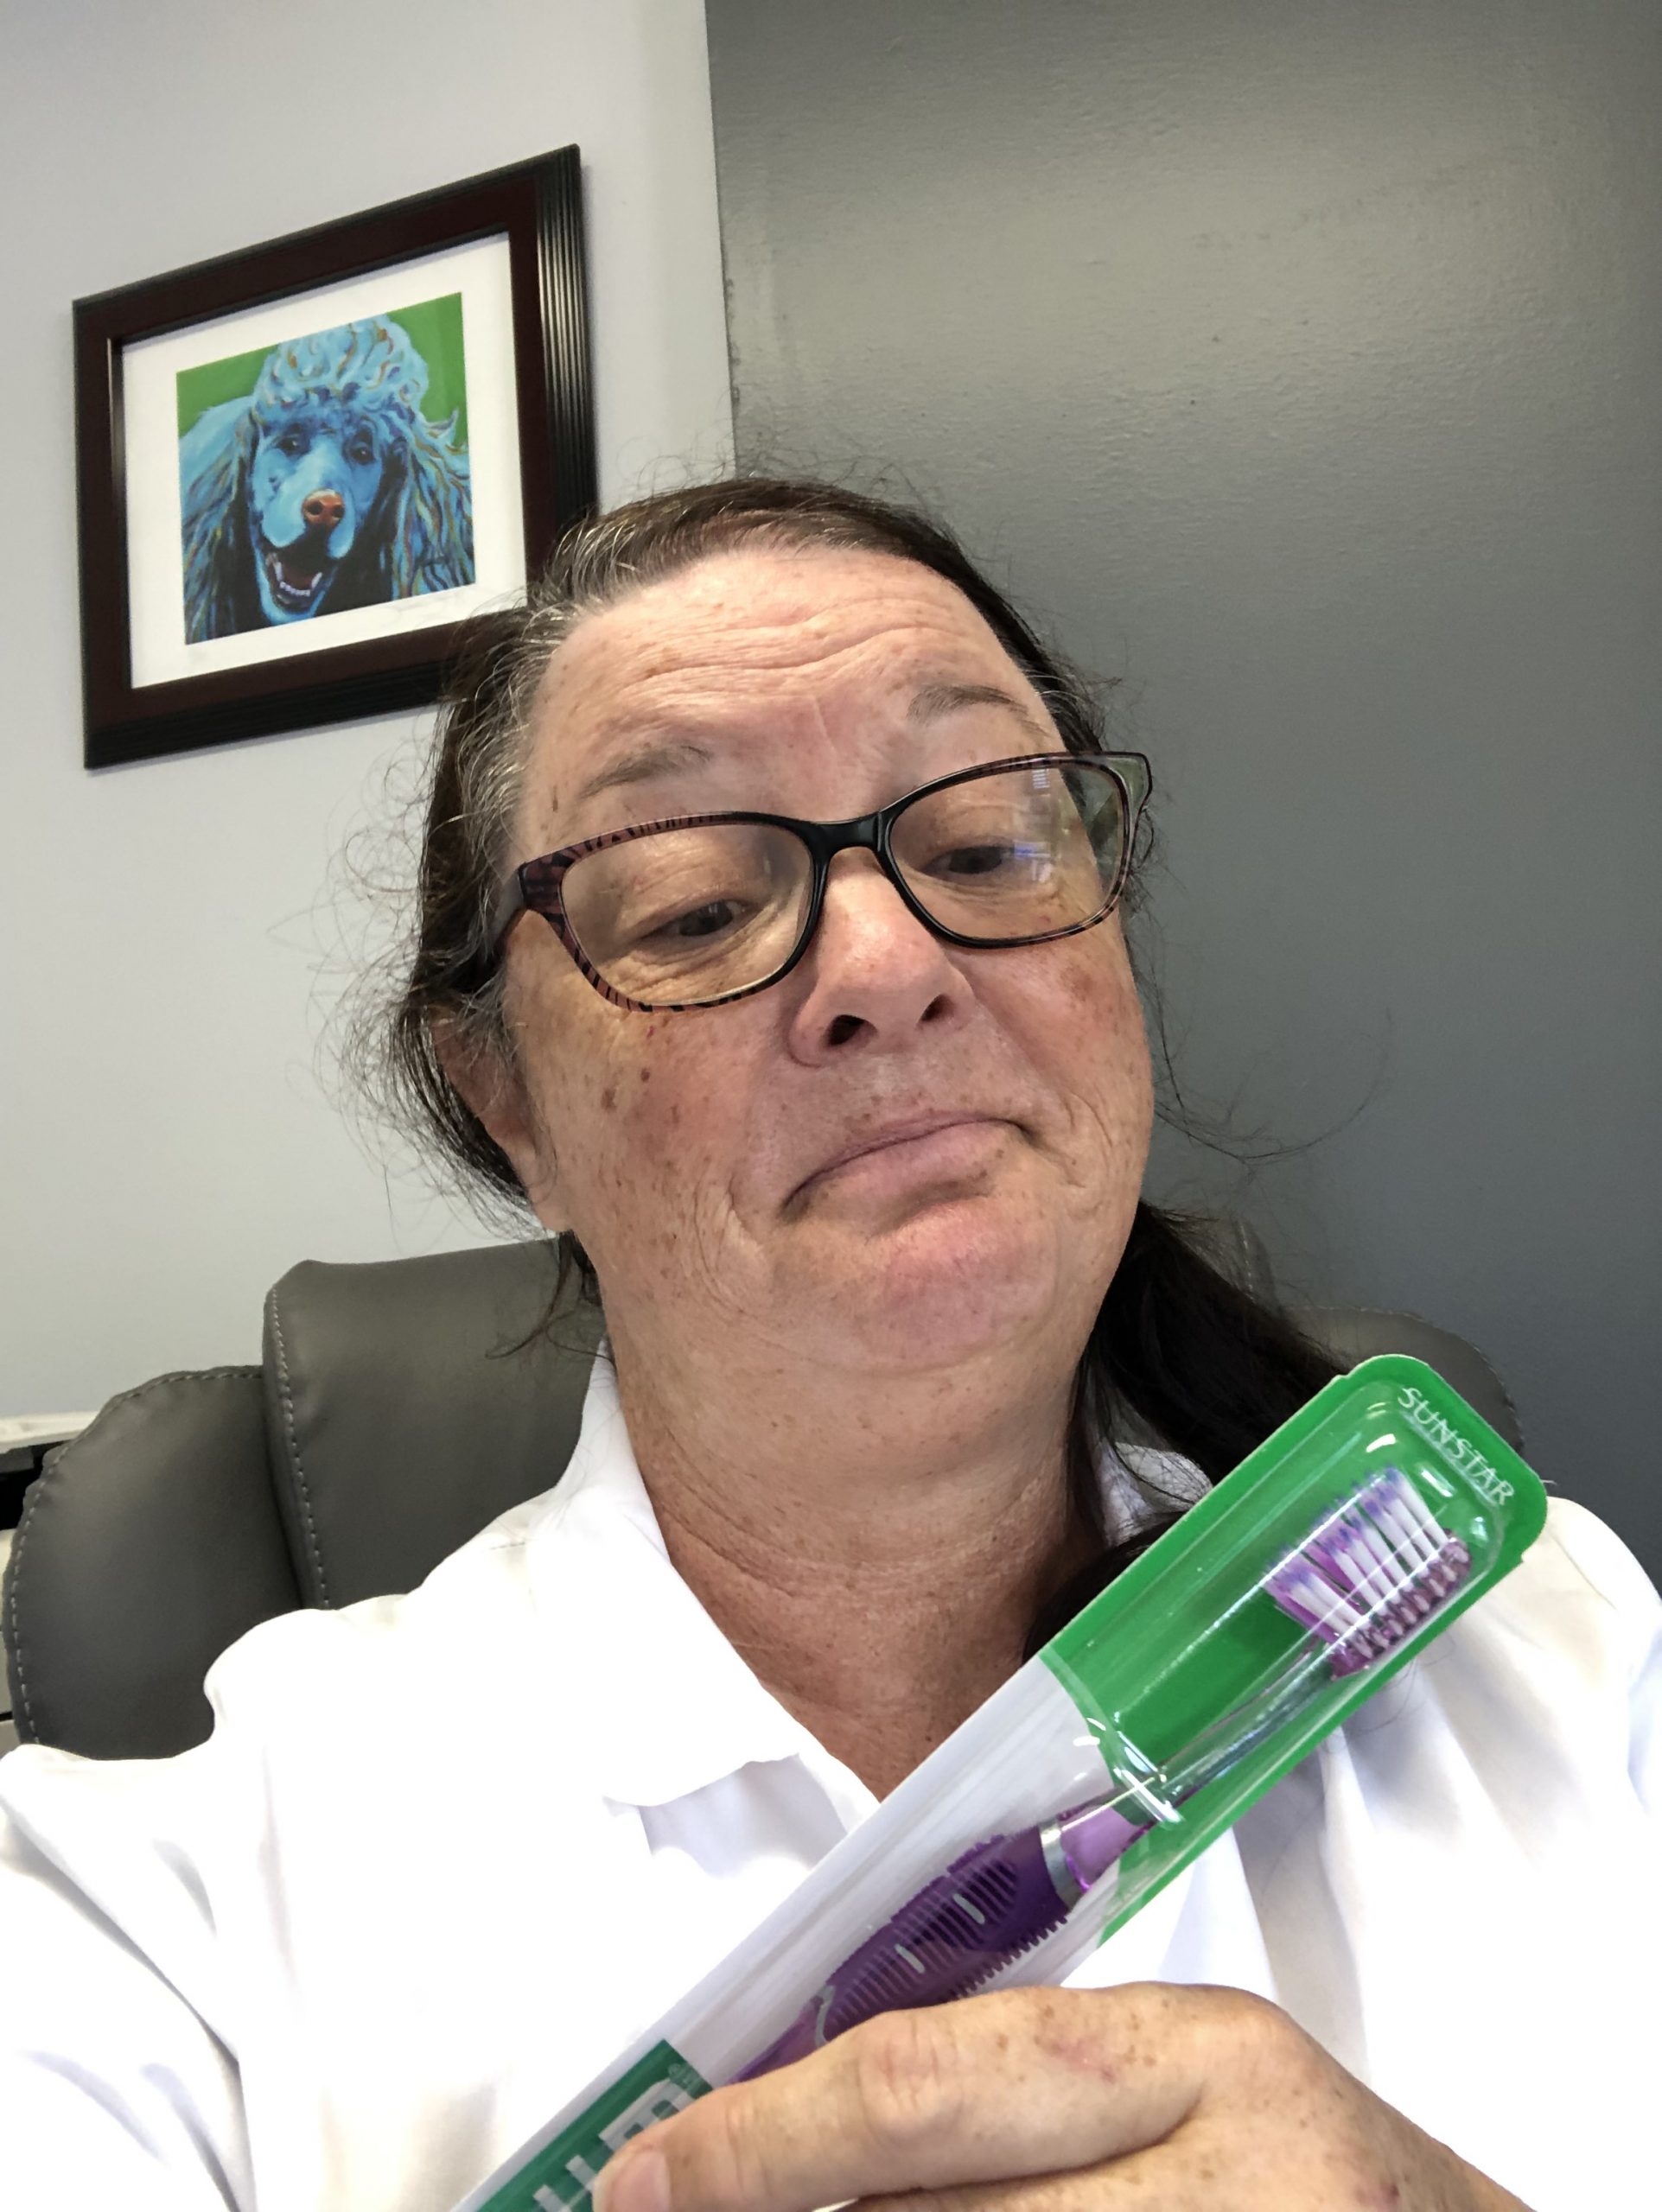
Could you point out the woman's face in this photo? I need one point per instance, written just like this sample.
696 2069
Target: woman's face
690 1152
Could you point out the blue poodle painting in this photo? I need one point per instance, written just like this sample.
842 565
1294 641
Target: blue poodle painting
325 487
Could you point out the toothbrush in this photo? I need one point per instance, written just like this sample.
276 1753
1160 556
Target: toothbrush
1366 1577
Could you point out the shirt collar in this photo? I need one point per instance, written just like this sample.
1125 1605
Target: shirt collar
660 1699
663 1701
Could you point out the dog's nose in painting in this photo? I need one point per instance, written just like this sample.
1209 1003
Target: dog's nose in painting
323 509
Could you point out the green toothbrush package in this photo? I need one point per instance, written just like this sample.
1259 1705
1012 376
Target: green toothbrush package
1249 1629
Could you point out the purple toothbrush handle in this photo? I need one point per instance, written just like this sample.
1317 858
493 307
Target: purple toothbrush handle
996 1902
1093 1839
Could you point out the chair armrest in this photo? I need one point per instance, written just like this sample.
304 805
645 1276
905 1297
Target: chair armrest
148 1545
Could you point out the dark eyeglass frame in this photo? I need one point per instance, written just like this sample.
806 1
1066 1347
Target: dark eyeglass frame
535 886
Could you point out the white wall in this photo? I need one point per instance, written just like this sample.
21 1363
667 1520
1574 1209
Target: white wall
171 932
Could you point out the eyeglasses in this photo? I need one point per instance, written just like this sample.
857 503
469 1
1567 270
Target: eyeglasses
701 909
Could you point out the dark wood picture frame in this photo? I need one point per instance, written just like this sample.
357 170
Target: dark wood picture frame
537 205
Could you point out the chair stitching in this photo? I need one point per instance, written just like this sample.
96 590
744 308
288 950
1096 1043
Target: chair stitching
51 1472
286 1395
18 1542
143 1389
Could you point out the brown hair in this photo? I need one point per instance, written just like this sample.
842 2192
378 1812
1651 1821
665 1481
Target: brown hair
1179 1349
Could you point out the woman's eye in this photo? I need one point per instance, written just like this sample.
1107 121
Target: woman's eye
974 860
708 920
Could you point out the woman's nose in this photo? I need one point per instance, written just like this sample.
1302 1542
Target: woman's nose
874 969
322 508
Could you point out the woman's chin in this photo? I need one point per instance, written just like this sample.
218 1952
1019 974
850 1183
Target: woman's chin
955 1280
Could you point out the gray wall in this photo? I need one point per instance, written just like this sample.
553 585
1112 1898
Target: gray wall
173 936
1301 360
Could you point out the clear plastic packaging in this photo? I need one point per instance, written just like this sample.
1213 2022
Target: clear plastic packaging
1145 1728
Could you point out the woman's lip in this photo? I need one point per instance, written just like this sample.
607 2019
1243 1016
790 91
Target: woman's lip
891 1139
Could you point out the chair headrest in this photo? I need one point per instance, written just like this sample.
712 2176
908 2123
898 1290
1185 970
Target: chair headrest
1357 1332
382 1379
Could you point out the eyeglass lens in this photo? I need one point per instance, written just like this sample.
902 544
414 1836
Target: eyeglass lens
685 916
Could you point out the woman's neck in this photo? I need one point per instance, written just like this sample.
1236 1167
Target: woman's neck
880 1572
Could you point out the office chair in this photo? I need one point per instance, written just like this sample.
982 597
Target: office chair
389 1420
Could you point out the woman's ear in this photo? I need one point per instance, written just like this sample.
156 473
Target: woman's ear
494 1095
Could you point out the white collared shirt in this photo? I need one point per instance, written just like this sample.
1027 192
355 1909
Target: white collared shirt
445 1854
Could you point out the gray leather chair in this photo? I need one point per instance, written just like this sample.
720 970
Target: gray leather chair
389 1420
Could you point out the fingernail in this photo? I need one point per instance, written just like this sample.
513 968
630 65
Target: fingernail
636 2181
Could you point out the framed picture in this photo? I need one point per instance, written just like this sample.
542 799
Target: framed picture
302 466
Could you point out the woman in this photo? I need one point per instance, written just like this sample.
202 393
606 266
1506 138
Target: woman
851 1134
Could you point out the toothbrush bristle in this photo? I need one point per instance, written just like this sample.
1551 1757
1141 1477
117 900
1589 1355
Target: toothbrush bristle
1371 1572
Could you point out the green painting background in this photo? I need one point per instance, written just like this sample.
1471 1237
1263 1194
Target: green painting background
434 329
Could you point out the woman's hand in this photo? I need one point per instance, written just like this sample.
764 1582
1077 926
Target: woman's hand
1168 2100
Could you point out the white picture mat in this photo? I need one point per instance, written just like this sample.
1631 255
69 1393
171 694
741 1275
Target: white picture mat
480 272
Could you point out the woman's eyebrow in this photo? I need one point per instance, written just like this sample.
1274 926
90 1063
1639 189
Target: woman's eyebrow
934 700
659 758
664 755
